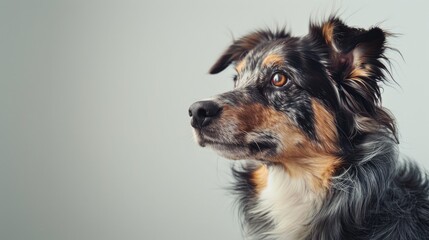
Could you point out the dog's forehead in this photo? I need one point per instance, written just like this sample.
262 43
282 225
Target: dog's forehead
262 57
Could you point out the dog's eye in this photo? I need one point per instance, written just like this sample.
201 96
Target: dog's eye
278 80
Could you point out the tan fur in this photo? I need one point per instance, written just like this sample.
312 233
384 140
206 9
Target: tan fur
317 170
328 32
240 66
260 178
358 72
322 167
230 115
272 59
325 127
300 155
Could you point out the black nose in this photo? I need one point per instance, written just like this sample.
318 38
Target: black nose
203 112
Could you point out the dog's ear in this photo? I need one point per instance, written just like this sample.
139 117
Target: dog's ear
356 65
344 39
355 62
239 48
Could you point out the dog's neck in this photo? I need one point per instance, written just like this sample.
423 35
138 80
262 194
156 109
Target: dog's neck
289 202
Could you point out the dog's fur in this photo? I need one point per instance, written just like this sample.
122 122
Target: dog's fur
322 159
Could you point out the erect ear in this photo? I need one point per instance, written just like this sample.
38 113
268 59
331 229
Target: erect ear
356 62
354 49
239 48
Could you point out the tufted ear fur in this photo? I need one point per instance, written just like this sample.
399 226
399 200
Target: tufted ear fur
356 65
239 48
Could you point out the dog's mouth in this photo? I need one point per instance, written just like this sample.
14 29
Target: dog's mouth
261 146
237 149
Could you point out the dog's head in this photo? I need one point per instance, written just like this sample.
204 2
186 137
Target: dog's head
296 97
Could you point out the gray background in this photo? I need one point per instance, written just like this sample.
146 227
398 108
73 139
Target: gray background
95 141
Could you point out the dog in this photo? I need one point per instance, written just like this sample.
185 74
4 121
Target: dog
320 153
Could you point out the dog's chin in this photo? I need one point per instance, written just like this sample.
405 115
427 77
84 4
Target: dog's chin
199 138
230 151
226 150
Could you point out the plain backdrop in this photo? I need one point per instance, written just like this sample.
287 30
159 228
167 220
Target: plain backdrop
95 141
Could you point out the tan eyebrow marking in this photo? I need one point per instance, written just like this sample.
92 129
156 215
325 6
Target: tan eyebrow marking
240 66
272 59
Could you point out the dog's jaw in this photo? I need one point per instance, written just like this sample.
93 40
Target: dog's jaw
250 145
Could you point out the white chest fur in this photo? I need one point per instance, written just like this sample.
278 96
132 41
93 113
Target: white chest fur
290 202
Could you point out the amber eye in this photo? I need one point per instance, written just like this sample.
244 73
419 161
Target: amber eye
278 79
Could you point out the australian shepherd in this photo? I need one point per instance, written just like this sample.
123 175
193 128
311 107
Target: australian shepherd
320 152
